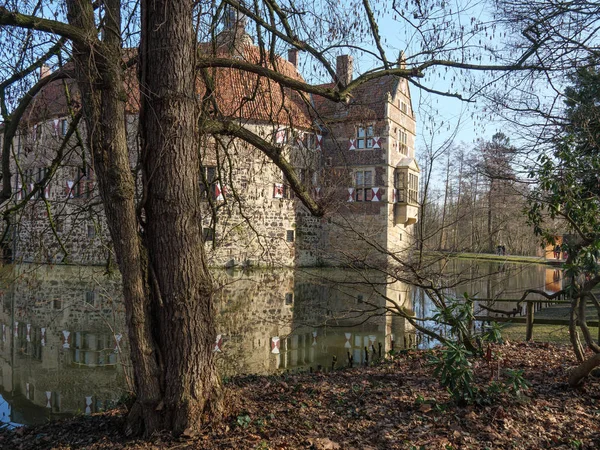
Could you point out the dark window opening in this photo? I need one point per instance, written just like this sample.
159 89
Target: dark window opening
208 234
363 183
289 298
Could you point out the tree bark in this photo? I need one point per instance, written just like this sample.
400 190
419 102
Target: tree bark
181 285
166 286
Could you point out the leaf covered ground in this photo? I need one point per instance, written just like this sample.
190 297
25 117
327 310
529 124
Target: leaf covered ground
392 405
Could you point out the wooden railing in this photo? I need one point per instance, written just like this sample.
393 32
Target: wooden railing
531 306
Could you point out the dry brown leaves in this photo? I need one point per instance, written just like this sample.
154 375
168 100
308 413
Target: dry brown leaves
393 405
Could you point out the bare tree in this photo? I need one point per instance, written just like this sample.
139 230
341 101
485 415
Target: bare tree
157 240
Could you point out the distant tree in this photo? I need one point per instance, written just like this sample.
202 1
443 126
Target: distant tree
568 190
495 159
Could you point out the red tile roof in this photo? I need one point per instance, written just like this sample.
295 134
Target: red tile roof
367 103
239 94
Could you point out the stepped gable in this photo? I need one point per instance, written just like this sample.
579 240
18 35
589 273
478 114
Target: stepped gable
367 102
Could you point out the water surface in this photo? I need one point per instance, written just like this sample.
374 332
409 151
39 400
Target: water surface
64 346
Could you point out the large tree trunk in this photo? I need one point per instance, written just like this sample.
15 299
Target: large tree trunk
167 288
100 79
180 282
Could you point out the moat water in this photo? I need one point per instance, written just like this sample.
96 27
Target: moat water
64 346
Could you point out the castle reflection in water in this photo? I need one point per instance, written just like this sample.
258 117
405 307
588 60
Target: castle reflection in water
64 346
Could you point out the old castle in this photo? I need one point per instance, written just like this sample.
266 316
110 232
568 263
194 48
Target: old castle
357 159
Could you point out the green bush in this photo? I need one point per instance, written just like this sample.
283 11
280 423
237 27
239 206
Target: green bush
455 372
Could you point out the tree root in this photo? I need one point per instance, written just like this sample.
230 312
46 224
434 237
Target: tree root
583 370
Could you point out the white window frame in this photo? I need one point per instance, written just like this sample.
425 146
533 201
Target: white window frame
364 136
403 141
364 180
406 183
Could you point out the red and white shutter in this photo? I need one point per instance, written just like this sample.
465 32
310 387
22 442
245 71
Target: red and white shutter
278 190
280 136
352 144
319 142
275 344
350 194
69 189
218 344
377 192
219 192
376 142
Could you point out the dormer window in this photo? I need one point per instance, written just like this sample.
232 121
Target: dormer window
364 136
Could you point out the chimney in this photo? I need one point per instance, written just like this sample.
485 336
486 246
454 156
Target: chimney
402 60
293 56
343 69
230 18
45 71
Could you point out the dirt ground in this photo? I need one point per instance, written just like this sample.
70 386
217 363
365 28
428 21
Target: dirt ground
396 404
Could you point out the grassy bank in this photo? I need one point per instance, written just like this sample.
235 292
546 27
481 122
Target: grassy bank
494 257
548 333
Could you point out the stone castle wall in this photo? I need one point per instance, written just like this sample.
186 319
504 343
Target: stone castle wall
250 216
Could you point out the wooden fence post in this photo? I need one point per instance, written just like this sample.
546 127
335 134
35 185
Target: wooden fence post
529 332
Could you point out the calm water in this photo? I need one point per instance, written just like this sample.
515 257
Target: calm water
64 347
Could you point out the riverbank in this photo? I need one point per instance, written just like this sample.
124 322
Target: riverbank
393 405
